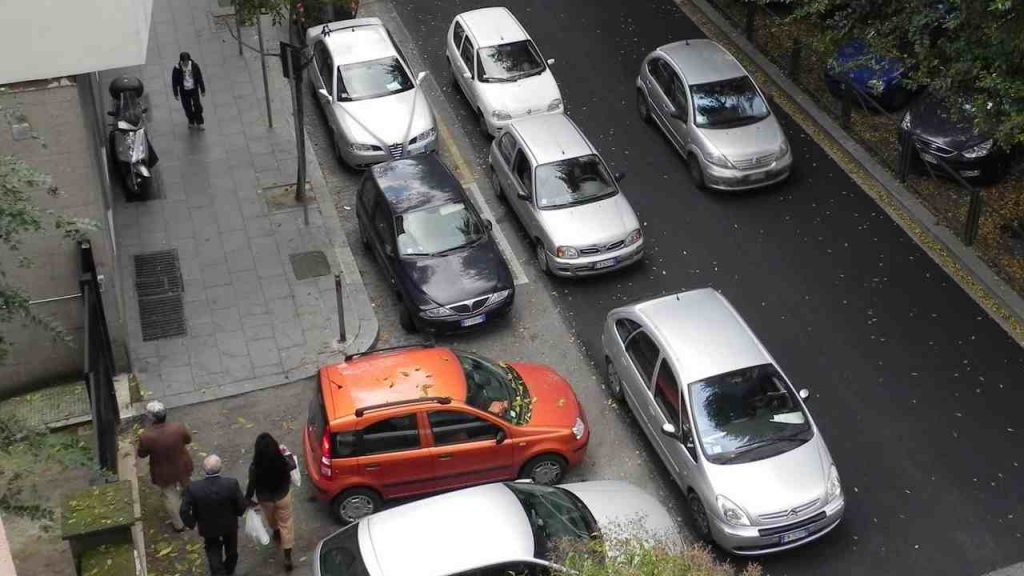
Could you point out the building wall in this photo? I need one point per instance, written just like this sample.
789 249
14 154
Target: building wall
46 38
63 147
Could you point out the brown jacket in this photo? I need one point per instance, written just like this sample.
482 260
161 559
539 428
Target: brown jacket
169 459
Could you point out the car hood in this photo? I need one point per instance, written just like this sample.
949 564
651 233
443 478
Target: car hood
740 143
554 402
625 511
394 119
932 120
857 63
774 484
473 272
527 96
597 223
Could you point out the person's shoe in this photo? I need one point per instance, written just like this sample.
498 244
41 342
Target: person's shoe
201 127
277 535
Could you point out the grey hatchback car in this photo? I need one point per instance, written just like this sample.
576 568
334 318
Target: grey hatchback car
733 432
714 114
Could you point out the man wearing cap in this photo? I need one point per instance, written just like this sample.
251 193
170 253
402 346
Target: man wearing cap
170 463
214 504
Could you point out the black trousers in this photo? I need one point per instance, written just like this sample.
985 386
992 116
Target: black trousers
222 553
193 106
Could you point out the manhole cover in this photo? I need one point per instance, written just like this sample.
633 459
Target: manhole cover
308 265
158 287
281 198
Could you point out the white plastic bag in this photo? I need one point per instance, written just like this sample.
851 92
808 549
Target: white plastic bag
255 527
296 475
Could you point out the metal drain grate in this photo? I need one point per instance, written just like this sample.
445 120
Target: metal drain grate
158 287
308 265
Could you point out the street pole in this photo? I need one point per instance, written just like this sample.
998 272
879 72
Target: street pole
341 308
238 28
300 142
263 64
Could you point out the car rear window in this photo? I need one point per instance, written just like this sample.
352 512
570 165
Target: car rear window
317 414
340 554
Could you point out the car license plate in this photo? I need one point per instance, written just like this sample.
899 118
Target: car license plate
472 321
929 158
605 264
793 536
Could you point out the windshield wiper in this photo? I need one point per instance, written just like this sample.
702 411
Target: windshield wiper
762 443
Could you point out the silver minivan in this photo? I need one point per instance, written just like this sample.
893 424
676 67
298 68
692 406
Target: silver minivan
732 430
714 114
579 220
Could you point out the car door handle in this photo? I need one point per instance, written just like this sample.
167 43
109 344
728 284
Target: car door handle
373 466
445 457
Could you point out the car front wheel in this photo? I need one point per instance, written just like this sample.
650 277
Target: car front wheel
699 521
641 106
614 381
696 172
356 503
547 469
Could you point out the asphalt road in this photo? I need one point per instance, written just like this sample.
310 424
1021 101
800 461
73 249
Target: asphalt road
917 392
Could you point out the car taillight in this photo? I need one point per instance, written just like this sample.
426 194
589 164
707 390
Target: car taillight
325 455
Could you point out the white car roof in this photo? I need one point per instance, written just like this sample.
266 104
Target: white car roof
358 40
702 333
551 137
702 61
450 533
493 26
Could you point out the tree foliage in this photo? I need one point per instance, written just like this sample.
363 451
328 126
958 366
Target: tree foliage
633 555
284 10
19 217
968 53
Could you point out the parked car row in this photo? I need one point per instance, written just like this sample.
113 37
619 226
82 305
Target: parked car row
418 420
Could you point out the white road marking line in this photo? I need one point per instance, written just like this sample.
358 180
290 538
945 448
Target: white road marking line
518 275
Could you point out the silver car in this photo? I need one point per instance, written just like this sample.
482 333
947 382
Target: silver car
733 432
565 196
372 100
714 114
492 529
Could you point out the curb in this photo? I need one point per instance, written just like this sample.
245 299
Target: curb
961 263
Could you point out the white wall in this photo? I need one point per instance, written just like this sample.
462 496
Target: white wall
51 38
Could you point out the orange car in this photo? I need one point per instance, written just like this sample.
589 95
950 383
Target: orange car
418 419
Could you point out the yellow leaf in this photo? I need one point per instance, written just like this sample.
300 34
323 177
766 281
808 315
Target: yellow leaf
165 551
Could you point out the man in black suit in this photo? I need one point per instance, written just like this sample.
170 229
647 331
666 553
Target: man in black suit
215 503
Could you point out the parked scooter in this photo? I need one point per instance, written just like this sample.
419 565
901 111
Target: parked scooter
128 143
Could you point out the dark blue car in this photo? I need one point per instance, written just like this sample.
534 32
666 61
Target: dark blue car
874 76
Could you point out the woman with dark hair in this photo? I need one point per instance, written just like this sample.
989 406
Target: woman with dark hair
270 481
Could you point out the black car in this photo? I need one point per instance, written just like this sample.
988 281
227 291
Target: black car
940 136
436 250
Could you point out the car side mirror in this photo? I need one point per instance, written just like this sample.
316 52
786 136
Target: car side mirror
669 430
111 113
488 224
804 393
675 113
467 75
522 194
620 176
421 76
551 61
500 437
389 251
324 93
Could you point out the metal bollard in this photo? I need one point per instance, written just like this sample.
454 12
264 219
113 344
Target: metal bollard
341 308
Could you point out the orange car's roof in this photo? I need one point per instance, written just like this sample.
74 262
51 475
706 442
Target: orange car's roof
390 376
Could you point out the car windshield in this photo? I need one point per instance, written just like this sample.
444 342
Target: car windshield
573 181
495 388
437 230
555 514
372 79
340 554
747 415
727 103
509 62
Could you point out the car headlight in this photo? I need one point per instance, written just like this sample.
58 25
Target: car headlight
980 150
567 252
634 237
783 148
498 296
362 147
876 86
500 115
579 428
713 156
905 123
439 312
833 489
555 105
731 512
424 136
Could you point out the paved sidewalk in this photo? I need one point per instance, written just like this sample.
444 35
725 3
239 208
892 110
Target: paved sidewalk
251 323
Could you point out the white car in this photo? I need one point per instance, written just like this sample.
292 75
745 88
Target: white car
369 94
499 68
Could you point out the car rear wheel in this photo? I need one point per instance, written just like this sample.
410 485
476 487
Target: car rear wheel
547 469
614 380
496 184
698 517
696 172
356 503
642 107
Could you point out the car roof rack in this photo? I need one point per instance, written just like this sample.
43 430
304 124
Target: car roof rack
443 400
389 349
